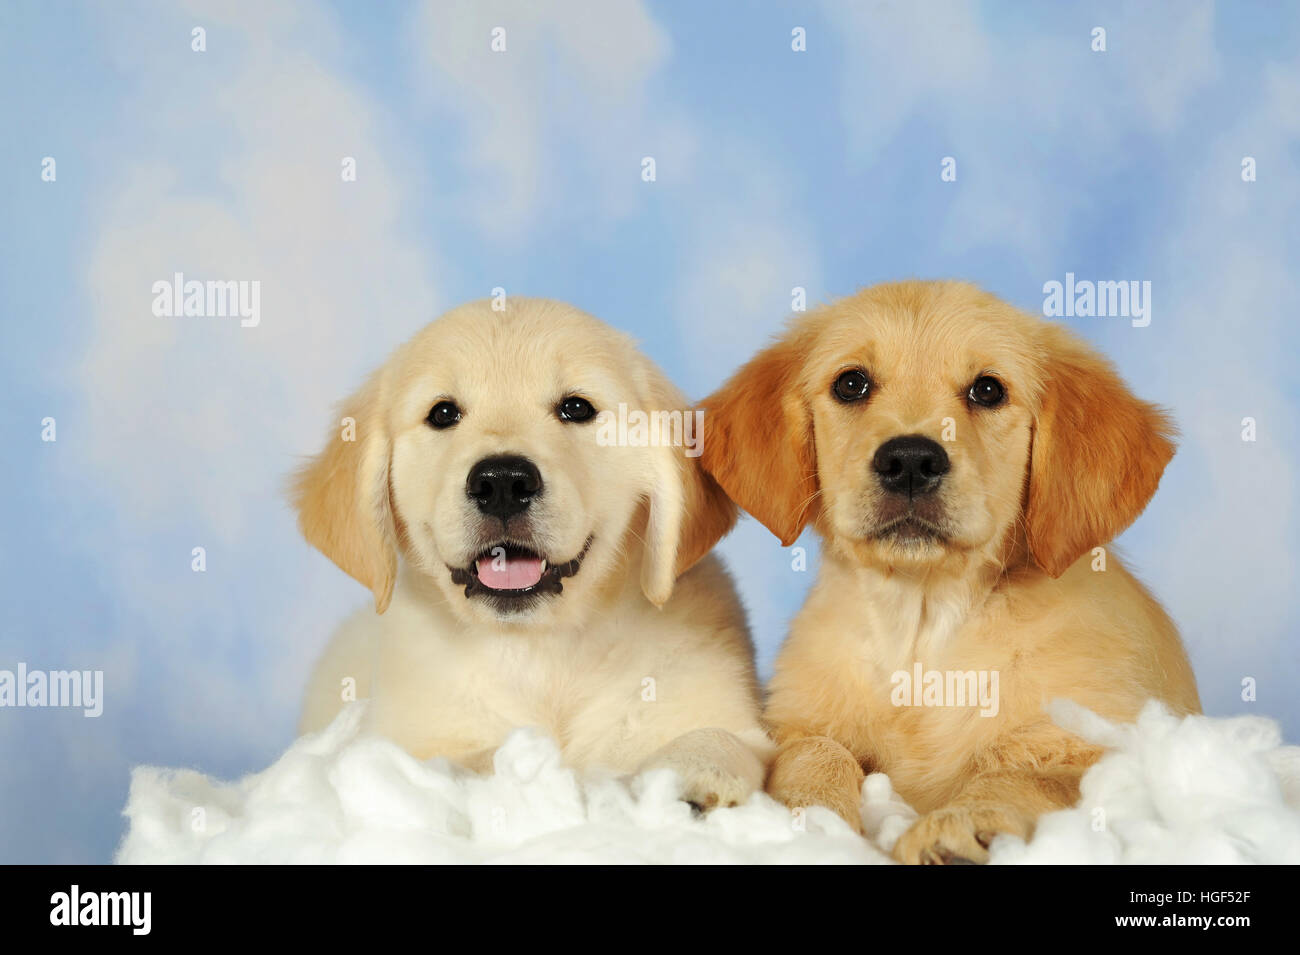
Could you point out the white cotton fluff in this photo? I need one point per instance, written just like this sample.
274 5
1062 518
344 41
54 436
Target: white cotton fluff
342 796
1172 789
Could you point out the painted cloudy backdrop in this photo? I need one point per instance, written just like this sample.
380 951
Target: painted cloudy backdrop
775 169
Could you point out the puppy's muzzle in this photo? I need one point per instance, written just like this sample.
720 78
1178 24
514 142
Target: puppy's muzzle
911 465
504 485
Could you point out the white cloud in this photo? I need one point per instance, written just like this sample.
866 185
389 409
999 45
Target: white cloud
193 424
734 289
1227 521
976 80
1023 112
738 269
558 123
736 292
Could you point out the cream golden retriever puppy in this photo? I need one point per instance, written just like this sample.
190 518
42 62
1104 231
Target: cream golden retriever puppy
966 465
525 572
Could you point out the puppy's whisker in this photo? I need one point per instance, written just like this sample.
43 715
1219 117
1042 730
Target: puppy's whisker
803 505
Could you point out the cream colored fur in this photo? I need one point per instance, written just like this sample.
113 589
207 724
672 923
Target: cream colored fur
644 660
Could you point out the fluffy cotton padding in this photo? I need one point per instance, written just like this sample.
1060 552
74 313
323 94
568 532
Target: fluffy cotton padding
1194 789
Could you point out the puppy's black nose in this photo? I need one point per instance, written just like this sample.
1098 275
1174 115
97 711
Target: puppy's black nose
504 485
911 465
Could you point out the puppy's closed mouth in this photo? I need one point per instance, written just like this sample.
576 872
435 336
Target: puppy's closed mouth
510 574
910 527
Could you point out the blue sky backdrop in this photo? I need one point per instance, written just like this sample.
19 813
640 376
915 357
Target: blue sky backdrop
522 169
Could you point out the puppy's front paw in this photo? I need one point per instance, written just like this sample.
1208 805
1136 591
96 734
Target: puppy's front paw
818 771
714 766
707 789
959 835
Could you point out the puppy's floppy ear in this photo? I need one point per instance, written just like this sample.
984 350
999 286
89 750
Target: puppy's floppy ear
758 440
1098 453
342 496
688 512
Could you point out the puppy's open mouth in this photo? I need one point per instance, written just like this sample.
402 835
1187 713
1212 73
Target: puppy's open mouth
511 574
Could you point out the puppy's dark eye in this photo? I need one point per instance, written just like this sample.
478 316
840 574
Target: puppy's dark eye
574 408
987 392
443 415
852 385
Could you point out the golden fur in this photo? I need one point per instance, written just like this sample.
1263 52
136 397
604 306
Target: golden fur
1067 462
643 660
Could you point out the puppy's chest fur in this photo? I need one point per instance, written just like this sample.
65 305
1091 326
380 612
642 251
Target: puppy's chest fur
612 691
1044 639
859 674
449 693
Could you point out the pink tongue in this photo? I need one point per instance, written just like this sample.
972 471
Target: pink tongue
509 573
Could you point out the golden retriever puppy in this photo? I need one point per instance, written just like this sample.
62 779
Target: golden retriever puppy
528 566
966 465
